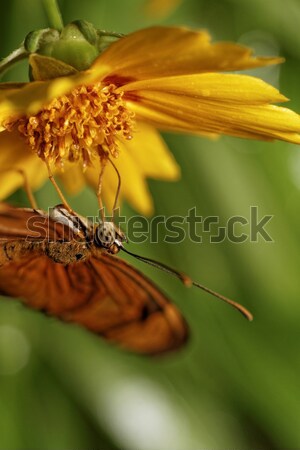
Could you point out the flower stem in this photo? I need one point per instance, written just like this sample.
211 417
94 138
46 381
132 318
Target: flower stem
10 60
54 15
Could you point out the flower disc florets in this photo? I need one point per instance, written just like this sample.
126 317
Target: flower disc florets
86 123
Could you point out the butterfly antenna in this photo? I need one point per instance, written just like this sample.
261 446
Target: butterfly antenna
187 281
118 189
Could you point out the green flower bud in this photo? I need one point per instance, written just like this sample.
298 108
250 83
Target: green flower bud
74 48
78 54
74 45
37 39
87 30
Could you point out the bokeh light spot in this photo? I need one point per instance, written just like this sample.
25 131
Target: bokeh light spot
14 350
294 167
140 415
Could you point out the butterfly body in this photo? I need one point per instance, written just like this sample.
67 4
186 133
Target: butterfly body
64 265
59 252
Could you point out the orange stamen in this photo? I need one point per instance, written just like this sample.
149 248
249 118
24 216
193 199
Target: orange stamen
79 126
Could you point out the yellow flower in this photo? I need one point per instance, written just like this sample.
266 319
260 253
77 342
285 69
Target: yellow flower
158 78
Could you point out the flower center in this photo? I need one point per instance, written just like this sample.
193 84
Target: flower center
88 122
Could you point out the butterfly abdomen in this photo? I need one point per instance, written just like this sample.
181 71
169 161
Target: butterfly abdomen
67 252
60 252
15 250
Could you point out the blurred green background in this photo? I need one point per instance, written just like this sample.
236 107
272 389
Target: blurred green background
236 384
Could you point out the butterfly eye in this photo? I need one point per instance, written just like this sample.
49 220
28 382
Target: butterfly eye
105 235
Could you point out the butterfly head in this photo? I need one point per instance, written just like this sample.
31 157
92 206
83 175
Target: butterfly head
108 236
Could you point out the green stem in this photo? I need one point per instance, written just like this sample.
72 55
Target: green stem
54 15
10 60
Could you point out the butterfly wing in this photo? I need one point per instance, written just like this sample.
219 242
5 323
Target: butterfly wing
15 223
105 295
149 322
33 225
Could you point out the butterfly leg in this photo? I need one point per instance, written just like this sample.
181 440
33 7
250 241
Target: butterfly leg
118 189
99 189
58 190
26 185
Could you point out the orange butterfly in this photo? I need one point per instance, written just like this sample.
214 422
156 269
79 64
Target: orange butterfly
65 266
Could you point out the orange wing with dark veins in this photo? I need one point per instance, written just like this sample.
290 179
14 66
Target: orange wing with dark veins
105 295
26 223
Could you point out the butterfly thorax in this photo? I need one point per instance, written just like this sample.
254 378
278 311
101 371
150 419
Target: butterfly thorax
88 238
72 239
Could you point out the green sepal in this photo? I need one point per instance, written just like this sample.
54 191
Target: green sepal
36 40
105 39
46 68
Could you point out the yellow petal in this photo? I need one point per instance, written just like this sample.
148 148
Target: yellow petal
29 98
154 114
151 154
134 184
11 85
167 51
134 187
15 154
230 88
258 122
72 178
